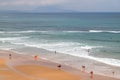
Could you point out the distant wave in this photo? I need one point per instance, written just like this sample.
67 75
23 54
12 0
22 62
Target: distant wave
105 40
28 31
93 31
75 31
37 31
12 38
34 31
100 31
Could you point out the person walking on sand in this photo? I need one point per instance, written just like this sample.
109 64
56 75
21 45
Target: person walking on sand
113 73
59 66
10 56
83 68
55 52
91 74
36 57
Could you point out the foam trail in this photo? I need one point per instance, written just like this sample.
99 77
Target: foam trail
12 38
37 31
20 32
73 49
100 31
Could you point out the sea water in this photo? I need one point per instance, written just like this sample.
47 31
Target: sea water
91 35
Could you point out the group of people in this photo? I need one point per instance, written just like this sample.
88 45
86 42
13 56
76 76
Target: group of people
59 66
91 72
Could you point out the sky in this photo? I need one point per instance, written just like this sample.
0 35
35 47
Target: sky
61 5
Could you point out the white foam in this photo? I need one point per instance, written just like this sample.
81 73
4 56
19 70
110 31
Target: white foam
5 48
12 38
75 49
27 31
109 61
95 31
114 31
62 47
89 47
1 31
74 31
34 31
98 31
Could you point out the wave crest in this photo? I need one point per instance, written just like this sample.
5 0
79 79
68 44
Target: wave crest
38 31
100 31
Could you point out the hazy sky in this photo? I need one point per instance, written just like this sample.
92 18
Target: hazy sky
61 5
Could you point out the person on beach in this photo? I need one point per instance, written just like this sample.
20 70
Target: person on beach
88 50
55 52
36 57
59 66
113 73
10 56
91 74
83 68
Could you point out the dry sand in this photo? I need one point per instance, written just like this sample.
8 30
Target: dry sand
24 67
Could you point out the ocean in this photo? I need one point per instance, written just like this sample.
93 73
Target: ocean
90 35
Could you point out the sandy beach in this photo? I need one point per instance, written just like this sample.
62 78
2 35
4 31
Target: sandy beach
24 67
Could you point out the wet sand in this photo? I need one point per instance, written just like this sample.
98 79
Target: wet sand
72 61
24 67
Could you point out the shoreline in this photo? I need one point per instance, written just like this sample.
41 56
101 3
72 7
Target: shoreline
52 52
73 61
11 69
51 62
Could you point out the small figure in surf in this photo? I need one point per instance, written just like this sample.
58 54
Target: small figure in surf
88 50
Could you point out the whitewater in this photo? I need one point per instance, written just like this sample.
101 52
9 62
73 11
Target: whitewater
79 49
